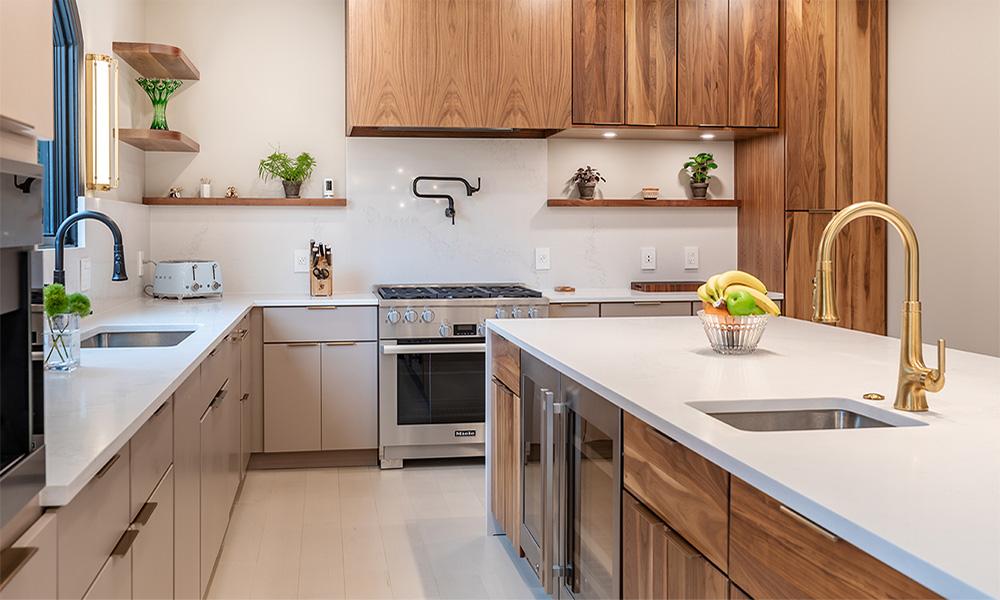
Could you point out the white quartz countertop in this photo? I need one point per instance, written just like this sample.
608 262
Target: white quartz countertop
923 499
627 295
92 412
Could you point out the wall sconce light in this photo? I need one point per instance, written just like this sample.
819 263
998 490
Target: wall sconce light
102 122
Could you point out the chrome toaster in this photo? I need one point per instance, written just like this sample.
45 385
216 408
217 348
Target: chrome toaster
187 279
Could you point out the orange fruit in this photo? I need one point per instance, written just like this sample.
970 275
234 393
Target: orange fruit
711 310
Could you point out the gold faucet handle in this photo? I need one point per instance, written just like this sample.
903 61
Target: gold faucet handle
933 380
940 367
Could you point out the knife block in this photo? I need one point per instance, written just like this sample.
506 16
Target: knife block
318 286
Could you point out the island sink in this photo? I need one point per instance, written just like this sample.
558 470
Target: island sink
135 339
802 414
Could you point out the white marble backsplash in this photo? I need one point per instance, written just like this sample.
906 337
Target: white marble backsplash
386 235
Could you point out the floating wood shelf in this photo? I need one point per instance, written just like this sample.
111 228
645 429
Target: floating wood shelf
157 61
158 140
320 202
639 202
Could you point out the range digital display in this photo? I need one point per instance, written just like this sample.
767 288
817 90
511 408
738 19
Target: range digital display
464 329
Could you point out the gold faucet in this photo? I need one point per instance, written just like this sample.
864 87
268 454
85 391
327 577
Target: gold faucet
915 378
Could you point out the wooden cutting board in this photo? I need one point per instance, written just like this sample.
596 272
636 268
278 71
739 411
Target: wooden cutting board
666 286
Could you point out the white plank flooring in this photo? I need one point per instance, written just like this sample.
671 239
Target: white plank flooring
361 532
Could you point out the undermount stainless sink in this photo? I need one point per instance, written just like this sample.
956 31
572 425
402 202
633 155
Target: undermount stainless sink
135 339
802 414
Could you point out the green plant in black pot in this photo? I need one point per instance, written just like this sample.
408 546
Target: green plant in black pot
698 167
586 180
291 172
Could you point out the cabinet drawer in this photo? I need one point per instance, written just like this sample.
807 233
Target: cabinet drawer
36 578
646 309
574 310
114 582
777 553
153 550
320 324
215 370
152 453
687 491
506 362
91 525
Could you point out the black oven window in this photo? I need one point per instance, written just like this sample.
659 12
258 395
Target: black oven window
61 157
440 388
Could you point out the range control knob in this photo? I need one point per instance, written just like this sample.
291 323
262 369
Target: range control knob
392 316
516 313
410 315
444 330
427 315
532 312
500 313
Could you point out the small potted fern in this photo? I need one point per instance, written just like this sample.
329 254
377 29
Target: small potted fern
291 172
698 167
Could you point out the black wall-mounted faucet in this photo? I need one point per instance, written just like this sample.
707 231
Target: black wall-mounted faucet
450 211
119 274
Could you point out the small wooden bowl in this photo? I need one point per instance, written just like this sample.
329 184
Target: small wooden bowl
650 193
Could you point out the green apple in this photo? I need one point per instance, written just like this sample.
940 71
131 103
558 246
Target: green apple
740 303
758 311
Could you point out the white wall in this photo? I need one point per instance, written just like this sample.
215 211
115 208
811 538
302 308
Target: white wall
944 164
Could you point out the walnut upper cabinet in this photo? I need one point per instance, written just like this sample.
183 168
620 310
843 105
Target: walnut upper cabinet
446 64
650 62
599 62
753 63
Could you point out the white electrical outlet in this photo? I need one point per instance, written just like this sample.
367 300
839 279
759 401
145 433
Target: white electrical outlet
647 258
543 262
84 274
142 264
301 261
691 257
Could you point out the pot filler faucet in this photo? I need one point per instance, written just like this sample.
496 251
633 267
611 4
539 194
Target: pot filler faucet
450 211
915 378
59 274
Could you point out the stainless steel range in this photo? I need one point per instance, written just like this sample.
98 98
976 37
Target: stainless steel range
432 365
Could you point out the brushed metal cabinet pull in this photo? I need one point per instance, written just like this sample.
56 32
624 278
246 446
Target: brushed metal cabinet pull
245 397
145 513
646 303
571 304
107 467
13 560
808 523
125 543
341 343
214 351
219 397
162 408
661 435
302 344
322 307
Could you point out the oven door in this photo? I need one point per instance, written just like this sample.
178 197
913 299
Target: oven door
431 396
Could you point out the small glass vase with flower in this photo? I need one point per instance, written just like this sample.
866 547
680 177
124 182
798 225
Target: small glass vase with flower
62 327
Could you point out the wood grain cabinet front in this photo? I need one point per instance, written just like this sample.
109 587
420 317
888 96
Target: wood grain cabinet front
506 363
599 62
651 62
778 553
505 465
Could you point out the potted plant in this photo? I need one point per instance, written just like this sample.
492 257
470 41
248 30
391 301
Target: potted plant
586 180
62 327
291 172
698 167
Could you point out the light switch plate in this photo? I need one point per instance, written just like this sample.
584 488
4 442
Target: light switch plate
647 258
84 274
301 264
691 257
543 260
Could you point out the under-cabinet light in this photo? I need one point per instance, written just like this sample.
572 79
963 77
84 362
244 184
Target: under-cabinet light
610 134
707 136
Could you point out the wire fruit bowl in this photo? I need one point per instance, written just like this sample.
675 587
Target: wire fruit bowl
733 335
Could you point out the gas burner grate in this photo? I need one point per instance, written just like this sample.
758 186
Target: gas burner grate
438 292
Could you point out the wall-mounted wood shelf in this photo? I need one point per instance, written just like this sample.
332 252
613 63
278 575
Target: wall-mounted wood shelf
317 202
157 61
639 202
158 140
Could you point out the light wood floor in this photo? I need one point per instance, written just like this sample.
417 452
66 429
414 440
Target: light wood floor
361 532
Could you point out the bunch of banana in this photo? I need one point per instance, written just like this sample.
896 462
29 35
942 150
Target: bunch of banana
718 288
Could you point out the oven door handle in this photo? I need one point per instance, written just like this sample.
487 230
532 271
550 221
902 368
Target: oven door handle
433 348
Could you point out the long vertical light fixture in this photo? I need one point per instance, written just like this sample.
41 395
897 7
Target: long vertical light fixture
102 122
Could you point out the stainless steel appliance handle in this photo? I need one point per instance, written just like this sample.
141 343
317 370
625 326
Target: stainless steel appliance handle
548 503
432 348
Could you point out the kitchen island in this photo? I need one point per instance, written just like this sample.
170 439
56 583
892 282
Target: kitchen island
924 500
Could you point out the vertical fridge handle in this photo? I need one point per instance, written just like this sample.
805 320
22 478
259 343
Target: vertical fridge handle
545 574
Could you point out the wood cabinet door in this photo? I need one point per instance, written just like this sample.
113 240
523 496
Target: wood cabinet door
753 63
651 62
505 462
809 104
349 384
153 549
599 62
644 552
702 62
441 63
292 404
860 254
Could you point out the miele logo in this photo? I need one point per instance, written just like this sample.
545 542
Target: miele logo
465 433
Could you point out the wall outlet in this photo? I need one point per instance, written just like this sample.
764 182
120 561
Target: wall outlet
543 261
647 258
84 274
301 261
691 257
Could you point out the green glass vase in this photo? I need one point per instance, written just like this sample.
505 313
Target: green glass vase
159 91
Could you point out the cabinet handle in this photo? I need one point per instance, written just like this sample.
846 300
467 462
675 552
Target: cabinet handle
245 397
684 546
646 303
107 467
219 397
302 344
669 440
808 523
125 543
341 343
159 410
13 560
145 513
577 304
322 307
214 351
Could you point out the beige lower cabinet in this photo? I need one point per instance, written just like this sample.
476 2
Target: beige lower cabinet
188 410
35 551
217 465
646 309
292 404
574 310
250 348
349 391
114 581
153 549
